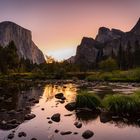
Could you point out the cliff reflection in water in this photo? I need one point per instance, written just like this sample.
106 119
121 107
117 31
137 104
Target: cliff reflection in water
16 102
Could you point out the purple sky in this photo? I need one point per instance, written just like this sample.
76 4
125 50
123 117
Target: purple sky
58 25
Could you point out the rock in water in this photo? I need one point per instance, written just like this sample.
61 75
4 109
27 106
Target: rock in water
29 116
71 106
60 96
11 136
56 117
22 38
78 124
87 134
66 133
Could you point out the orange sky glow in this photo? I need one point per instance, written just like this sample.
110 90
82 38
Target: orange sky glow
58 25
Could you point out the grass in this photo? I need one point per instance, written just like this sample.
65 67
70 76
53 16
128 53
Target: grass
89 100
123 105
132 75
120 105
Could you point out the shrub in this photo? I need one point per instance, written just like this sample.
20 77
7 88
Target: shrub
122 105
89 100
109 64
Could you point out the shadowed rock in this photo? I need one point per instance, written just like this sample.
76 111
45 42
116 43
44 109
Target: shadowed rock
56 117
87 134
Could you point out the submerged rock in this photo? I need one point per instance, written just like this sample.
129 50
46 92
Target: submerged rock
75 133
78 124
36 101
29 116
71 106
56 117
11 136
105 117
9 125
87 134
21 134
67 115
33 139
65 132
50 122
12 112
59 95
56 131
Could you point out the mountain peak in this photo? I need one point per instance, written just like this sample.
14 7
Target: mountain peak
10 31
5 24
136 28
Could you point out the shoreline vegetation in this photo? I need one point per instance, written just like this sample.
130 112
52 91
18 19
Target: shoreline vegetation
132 75
112 106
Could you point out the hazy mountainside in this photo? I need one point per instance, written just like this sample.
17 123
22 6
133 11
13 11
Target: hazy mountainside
22 38
124 47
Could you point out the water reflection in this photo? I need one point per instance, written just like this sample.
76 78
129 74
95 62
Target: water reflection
16 103
69 91
33 99
86 116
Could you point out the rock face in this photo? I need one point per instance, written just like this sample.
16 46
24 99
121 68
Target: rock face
106 35
22 38
110 43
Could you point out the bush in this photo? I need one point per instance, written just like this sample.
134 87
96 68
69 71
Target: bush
108 65
89 100
122 105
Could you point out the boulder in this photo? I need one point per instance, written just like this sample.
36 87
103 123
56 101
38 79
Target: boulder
105 117
11 136
65 132
56 117
71 106
78 124
87 134
60 96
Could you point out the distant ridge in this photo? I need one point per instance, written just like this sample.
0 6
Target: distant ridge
124 47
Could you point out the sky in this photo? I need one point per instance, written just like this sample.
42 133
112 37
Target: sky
58 26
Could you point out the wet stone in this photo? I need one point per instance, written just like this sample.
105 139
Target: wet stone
67 115
56 131
71 106
50 122
56 117
78 124
60 96
31 99
27 107
33 139
29 116
65 132
21 134
87 134
14 121
75 133
12 112
36 101
11 136
105 117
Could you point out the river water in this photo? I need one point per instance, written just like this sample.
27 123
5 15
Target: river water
48 105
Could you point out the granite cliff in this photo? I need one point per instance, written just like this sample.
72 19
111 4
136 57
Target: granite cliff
124 47
22 38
